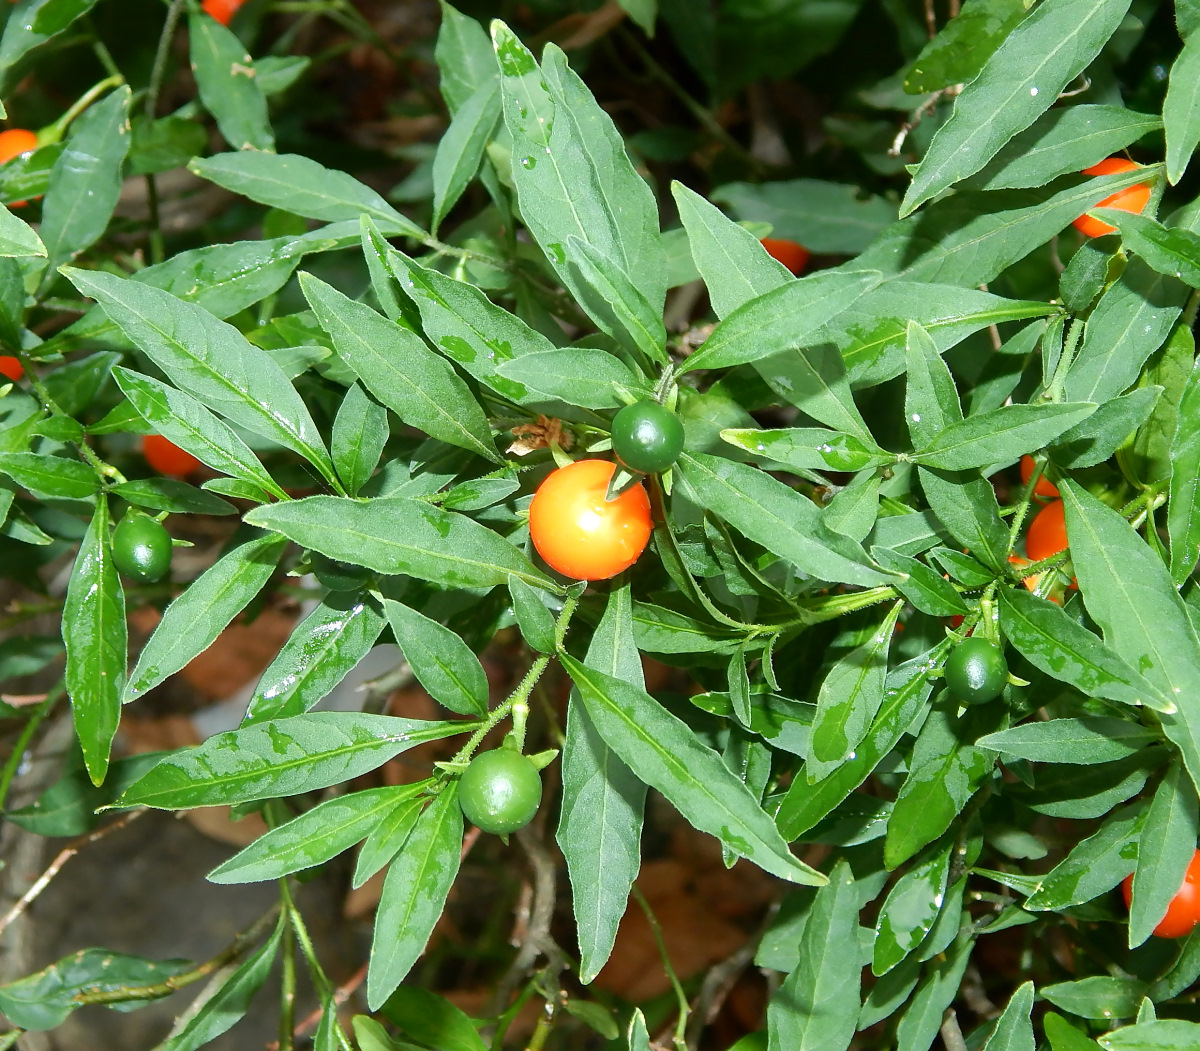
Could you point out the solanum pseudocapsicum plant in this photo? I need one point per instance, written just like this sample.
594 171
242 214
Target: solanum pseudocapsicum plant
807 465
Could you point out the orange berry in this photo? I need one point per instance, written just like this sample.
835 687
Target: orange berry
167 458
13 143
222 10
1044 487
11 367
1184 911
579 533
792 255
1047 532
1131 199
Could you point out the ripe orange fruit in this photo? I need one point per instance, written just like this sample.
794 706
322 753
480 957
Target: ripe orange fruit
1047 532
792 255
222 10
1184 911
579 533
1131 199
13 143
11 367
167 458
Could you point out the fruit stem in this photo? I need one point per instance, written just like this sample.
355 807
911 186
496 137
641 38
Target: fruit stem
52 133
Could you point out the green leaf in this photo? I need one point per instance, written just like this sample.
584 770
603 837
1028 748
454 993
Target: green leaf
1183 509
1165 850
534 619
414 894
1014 1030
809 448
50 476
943 774
170 494
231 1000
937 990
1000 435
664 753
312 838
816 1007
298 184
192 621
1169 1034
433 1020
925 588
1061 142
30 24
584 376
1128 324
86 179
911 908
931 399
1181 109
1062 647
282 757
360 431
907 690
850 695
395 535
387 838
210 360
572 174
770 513
1129 594
462 148
1065 1037
44 999
464 57
1082 793
160 145
822 216
1173 251
783 321
181 419
1082 740
964 44
1100 997
1095 439
225 78
17 238
600 824
735 266
93 626
1095 865
440 660
1020 81
395 365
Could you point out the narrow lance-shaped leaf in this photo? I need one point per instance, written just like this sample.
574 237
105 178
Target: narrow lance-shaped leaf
1082 740
1062 647
299 184
192 621
94 632
462 148
600 826
440 660
282 757
664 752
1000 435
226 80
1014 1030
816 1007
1183 509
1129 594
911 908
181 419
1021 80
1165 851
360 431
1181 108
414 894
212 361
395 365
396 535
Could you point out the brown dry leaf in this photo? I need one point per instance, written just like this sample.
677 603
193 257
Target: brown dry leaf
539 435
155 735
240 653
215 822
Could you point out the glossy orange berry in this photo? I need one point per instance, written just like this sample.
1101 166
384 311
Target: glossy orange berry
1131 199
1184 911
13 143
167 458
222 10
792 255
579 533
11 367
1044 487
1047 532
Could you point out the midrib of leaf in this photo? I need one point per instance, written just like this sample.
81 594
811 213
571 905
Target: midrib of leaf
330 645
1018 90
349 202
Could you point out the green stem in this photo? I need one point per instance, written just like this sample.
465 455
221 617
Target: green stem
101 50
54 132
161 55
1055 393
157 247
287 993
321 981
1023 505
27 732
680 996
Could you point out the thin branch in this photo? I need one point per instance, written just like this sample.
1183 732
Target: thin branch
680 995
27 731
63 856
